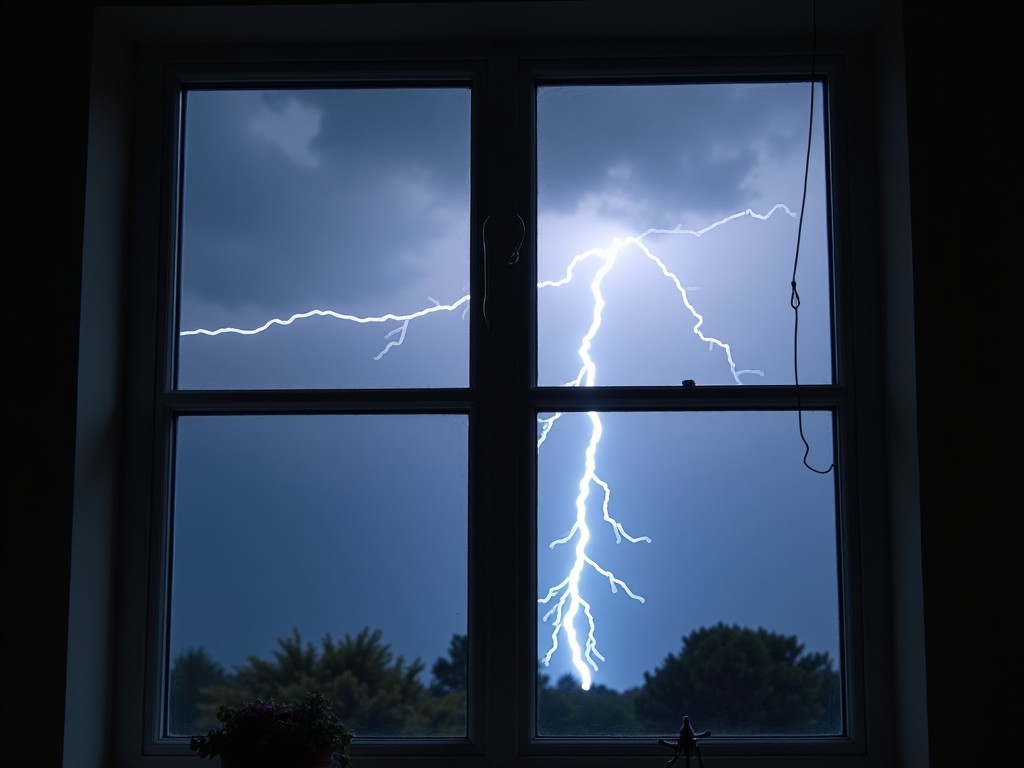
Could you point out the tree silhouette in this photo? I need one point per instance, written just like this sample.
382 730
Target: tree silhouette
374 692
192 671
735 680
444 712
449 674
568 710
729 679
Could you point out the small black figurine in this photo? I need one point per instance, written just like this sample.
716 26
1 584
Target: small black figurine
686 744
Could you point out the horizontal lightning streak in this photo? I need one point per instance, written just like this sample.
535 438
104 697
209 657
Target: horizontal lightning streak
385 318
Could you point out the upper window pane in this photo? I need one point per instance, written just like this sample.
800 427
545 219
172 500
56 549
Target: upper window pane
325 239
667 221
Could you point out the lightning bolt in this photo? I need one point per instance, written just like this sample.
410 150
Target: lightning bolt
566 598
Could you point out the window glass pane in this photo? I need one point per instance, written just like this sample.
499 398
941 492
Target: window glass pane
686 566
667 224
325 239
325 551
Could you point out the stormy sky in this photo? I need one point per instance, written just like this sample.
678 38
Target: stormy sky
681 203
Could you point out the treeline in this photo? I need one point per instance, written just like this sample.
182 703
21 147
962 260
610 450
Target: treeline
730 679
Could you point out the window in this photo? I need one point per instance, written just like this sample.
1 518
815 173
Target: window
476 404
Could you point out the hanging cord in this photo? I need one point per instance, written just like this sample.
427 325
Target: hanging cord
794 297
512 259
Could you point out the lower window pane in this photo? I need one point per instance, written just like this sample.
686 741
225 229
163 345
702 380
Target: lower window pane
687 566
325 552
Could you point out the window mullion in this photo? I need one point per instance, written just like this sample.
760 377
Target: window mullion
500 527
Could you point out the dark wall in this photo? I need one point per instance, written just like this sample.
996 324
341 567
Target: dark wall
43 121
962 84
963 69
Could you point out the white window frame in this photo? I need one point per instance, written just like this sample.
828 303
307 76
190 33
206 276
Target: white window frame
136 686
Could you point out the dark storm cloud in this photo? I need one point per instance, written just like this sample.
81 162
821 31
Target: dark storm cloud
687 147
315 198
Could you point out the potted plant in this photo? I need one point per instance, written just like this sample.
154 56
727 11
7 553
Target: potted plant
267 734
